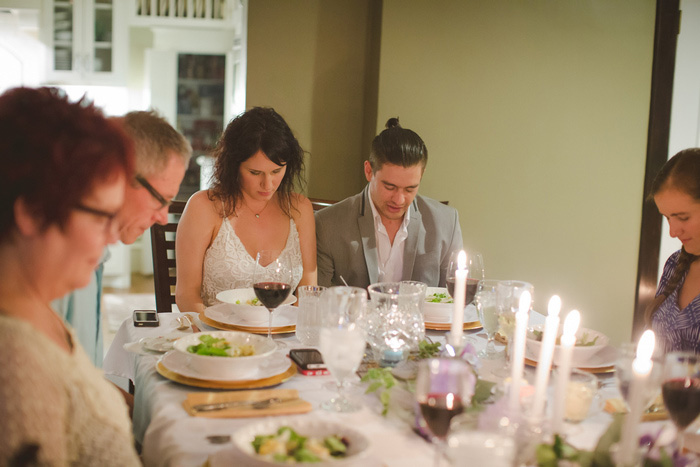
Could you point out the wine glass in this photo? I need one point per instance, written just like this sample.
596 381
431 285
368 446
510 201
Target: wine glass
681 390
509 293
625 355
342 340
443 389
475 273
272 282
487 303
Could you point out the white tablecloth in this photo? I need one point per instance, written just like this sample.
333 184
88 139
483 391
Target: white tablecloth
170 437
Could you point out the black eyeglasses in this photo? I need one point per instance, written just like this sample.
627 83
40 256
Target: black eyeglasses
109 216
160 198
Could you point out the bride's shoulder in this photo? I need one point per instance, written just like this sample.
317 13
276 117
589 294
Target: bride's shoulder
203 205
300 203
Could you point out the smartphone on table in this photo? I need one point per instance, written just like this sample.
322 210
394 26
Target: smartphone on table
309 361
146 318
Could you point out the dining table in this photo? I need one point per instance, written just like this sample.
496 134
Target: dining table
170 436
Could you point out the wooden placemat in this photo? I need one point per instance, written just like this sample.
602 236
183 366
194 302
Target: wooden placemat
290 403
251 329
239 384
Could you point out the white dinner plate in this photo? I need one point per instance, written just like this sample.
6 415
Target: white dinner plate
160 343
178 363
285 315
470 315
603 359
358 443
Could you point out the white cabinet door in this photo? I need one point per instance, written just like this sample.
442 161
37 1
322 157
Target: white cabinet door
87 41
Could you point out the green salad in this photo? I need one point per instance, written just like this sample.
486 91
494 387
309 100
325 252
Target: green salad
438 298
219 347
251 301
583 341
287 446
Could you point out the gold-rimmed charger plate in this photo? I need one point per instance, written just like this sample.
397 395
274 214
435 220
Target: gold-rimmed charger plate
471 325
594 370
240 384
251 329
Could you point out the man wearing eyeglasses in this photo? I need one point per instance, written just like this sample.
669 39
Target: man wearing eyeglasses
162 155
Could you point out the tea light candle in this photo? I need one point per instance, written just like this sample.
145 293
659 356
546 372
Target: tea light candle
460 291
641 368
568 341
544 362
518 351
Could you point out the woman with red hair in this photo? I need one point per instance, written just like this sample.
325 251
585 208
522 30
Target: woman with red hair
64 167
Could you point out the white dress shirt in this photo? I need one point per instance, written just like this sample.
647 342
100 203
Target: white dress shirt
390 255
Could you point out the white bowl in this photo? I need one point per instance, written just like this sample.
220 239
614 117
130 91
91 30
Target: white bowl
304 426
580 353
237 300
437 312
225 367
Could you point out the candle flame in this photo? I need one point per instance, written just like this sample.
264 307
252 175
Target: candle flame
525 300
462 260
645 348
554 306
573 319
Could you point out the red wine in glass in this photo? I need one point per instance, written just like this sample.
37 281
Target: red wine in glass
471 287
682 400
438 410
272 294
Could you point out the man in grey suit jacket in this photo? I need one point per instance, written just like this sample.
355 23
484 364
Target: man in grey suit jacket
388 232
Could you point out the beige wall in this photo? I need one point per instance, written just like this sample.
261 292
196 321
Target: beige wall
309 59
534 113
535 116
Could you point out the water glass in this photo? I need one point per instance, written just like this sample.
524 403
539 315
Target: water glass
309 315
395 323
487 304
468 444
342 339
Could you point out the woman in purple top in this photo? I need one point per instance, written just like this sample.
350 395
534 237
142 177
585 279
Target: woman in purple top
675 313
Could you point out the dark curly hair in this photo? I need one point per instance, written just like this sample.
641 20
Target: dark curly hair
258 129
681 172
53 153
398 146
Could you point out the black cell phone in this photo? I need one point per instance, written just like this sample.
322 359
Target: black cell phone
307 359
146 318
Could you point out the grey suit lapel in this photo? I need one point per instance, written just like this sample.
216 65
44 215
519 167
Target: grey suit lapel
416 236
369 240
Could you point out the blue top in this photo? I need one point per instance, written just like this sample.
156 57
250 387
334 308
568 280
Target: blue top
676 329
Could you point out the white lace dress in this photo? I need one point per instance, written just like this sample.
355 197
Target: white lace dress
227 264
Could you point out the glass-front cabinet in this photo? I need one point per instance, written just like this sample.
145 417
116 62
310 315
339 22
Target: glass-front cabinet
200 109
87 40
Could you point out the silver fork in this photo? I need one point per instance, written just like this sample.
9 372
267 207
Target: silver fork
261 404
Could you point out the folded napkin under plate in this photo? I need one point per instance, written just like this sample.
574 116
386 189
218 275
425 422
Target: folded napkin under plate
283 402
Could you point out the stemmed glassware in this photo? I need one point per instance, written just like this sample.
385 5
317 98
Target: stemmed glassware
272 282
487 304
509 302
626 354
475 273
681 390
443 389
342 340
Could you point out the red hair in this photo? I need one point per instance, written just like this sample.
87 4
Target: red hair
53 152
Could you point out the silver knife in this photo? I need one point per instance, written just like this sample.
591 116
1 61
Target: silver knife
261 404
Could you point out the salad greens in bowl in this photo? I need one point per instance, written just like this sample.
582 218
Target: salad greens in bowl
224 354
438 306
245 305
300 440
588 343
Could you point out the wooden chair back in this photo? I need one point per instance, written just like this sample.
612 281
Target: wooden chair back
163 247
319 203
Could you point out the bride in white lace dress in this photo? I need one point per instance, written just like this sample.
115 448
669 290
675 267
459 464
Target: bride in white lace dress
250 207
